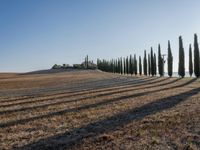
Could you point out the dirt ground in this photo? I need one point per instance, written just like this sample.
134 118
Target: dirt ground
97 110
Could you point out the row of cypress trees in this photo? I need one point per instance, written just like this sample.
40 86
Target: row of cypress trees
193 68
130 64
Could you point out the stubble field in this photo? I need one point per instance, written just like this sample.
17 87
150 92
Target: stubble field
97 110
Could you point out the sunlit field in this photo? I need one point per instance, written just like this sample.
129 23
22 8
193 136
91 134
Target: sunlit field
97 110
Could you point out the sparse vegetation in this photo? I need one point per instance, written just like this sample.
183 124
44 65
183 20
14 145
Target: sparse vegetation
170 60
181 67
88 109
190 61
196 57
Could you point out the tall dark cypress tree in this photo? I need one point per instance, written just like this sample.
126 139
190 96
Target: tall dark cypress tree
155 65
181 70
127 68
140 65
149 65
196 57
160 62
118 66
145 63
152 63
170 60
121 65
124 68
130 65
135 63
190 61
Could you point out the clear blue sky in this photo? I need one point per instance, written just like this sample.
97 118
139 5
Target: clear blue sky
35 34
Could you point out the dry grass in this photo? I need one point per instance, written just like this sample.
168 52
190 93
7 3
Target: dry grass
96 110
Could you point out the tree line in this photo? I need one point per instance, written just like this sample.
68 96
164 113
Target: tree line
148 66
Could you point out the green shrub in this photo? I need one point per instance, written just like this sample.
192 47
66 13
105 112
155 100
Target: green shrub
56 66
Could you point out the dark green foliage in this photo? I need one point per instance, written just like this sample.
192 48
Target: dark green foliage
121 65
145 63
124 68
130 65
127 65
135 64
86 62
190 61
56 66
140 65
196 57
149 65
181 69
170 60
160 62
77 66
155 65
152 63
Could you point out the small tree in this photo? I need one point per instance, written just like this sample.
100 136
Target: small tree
190 61
135 64
140 65
149 65
152 63
124 68
170 60
127 65
130 65
160 62
196 57
155 65
181 70
145 63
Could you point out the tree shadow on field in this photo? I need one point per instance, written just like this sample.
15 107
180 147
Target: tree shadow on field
112 92
101 86
103 102
75 137
77 87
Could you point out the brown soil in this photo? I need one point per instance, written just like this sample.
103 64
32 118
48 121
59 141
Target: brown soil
97 110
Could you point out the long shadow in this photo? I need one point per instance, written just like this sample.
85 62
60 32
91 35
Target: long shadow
74 138
125 89
83 98
90 81
85 82
80 88
87 106
80 85
116 86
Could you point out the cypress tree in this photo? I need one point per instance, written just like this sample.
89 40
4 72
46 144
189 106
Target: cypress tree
140 65
119 62
181 70
135 63
130 65
152 63
149 65
190 61
196 57
124 69
87 61
127 68
116 66
155 65
145 63
170 60
160 62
